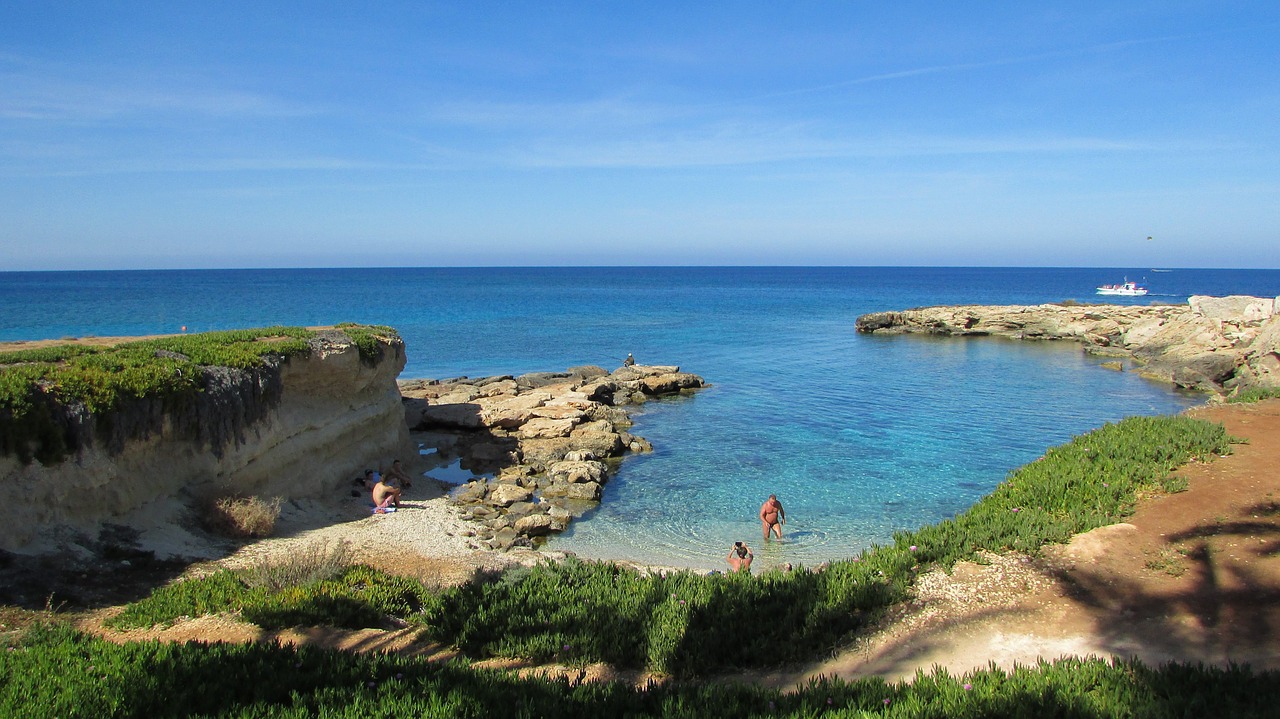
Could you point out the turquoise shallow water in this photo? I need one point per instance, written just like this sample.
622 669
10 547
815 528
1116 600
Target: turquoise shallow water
859 436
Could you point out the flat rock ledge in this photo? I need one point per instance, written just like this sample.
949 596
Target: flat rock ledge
550 439
1214 344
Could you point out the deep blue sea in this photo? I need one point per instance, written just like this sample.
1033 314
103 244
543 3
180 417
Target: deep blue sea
858 436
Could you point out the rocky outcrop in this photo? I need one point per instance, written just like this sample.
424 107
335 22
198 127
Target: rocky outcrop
549 439
330 415
1216 344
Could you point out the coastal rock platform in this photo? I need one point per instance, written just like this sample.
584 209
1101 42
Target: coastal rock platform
549 439
1215 344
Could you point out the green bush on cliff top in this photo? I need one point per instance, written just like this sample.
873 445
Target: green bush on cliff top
40 389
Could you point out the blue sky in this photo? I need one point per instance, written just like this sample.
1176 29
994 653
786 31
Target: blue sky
156 135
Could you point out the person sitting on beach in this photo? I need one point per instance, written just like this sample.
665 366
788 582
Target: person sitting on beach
772 516
397 477
384 496
740 557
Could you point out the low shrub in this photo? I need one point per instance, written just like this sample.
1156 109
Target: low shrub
1254 394
314 563
355 597
243 517
55 671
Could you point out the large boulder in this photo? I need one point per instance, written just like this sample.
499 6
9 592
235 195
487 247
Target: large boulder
502 495
669 383
1234 308
462 415
535 525
546 427
470 492
577 471
587 491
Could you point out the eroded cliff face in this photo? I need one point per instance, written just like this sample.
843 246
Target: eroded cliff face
335 416
1216 344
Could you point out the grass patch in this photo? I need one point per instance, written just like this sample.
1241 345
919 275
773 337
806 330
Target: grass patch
243 517
1254 394
52 670
1168 562
355 597
48 395
316 562
369 339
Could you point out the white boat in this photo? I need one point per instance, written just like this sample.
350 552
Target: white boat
1126 288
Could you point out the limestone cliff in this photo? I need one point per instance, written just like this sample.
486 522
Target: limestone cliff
1215 344
304 426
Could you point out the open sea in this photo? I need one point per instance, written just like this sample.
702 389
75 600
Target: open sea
858 436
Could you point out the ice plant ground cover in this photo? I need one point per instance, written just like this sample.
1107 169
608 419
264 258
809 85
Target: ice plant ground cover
688 625
41 389
51 670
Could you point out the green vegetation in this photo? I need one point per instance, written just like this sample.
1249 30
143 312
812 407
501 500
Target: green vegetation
366 339
53 671
688 625
48 396
1254 394
355 598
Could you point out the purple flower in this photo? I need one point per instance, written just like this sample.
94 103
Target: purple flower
565 648
968 687
1017 509
372 684
886 702
682 601
913 547
399 676
829 700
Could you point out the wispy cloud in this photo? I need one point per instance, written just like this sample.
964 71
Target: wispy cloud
63 93
965 67
736 149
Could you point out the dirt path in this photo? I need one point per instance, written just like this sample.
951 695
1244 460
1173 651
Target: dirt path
1193 576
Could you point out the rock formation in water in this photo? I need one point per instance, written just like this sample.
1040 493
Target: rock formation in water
1216 344
298 427
547 437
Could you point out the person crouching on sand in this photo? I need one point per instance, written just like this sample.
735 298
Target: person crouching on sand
740 557
384 496
772 516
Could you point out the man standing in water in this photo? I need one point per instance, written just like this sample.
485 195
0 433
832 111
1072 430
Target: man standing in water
772 516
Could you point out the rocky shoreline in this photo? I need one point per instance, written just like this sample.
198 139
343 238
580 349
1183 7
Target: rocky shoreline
1214 344
550 440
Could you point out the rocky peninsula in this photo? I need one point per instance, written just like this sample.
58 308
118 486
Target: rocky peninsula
1214 344
549 439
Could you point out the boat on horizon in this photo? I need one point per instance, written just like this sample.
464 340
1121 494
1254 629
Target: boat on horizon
1126 289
